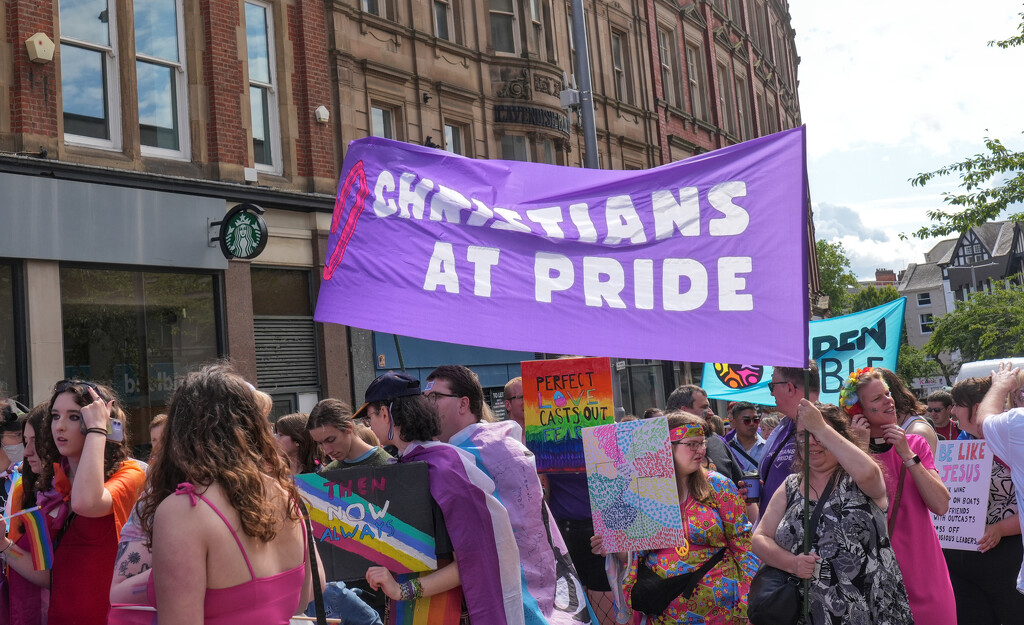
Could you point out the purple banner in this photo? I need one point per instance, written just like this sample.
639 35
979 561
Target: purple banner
701 260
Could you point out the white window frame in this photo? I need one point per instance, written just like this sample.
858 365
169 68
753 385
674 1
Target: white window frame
924 299
382 8
113 86
726 103
620 67
391 112
668 54
927 320
517 43
743 107
450 15
181 93
462 132
276 166
697 81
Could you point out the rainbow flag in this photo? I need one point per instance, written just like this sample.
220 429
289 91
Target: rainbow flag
40 541
441 609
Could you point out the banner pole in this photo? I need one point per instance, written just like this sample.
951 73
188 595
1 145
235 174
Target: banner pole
807 496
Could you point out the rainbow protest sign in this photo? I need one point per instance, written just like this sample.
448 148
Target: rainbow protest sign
366 516
561 397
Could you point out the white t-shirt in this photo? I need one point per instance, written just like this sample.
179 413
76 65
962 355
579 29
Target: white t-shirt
1005 435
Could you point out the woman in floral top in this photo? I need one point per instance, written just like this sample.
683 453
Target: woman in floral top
713 518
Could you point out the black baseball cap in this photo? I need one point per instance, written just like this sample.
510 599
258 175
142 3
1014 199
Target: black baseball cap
388 386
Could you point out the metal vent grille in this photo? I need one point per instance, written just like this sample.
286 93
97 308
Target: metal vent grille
285 352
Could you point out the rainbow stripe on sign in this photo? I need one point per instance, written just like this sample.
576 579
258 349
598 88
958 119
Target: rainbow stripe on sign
358 526
441 609
40 541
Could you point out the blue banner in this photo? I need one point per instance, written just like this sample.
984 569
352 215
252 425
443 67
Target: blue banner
841 345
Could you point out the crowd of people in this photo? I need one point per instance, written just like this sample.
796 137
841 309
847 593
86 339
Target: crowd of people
214 530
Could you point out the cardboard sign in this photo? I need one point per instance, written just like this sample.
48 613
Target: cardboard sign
561 397
632 482
966 469
366 516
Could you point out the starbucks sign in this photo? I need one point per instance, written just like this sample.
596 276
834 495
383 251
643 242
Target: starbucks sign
243 232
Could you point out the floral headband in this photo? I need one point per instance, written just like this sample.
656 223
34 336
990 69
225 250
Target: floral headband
848 399
686 430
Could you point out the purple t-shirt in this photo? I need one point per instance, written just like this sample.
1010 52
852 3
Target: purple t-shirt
568 496
783 439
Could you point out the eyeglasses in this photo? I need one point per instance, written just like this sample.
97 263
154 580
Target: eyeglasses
513 397
433 396
694 446
66 385
936 409
749 420
772 385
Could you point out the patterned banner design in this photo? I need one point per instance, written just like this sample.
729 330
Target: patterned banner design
633 494
678 262
965 467
365 516
561 397
840 346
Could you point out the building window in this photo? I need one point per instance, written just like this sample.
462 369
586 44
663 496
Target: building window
546 151
743 108
160 69
772 119
382 122
455 139
376 7
620 61
736 12
572 44
669 57
725 102
444 20
504 35
514 148
927 323
139 330
89 73
924 299
697 81
259 34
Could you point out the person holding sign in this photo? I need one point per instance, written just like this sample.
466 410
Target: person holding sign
716 554
983 580
486 559
852 567
914 488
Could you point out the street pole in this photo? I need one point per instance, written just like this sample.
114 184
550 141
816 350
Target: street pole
579 29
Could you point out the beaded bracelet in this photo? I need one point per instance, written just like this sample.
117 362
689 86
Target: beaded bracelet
102 431
411 590
417 588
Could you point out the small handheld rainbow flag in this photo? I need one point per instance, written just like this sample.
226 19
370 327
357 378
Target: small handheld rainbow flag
38 532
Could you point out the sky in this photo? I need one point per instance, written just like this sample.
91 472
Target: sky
889 90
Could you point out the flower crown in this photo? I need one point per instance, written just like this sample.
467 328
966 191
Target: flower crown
848 399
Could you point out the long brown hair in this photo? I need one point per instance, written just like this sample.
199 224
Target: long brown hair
838 421
28 476
217 431
906 402
294 427
114 454
697 482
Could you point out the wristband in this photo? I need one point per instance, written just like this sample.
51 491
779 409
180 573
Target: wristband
417 588
102 431
406 590
915 460
10 543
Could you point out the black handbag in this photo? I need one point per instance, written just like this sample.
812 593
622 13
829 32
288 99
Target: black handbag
652 594
776 597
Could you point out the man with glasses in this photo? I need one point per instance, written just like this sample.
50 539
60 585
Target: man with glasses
500 453
746 443
940 406
787 387
514 404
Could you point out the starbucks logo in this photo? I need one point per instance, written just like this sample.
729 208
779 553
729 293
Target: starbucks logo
243 233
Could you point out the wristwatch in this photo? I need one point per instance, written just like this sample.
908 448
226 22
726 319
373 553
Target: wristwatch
915 460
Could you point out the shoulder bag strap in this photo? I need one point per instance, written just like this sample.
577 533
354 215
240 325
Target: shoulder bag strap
812 527
743 453
318 593
896 500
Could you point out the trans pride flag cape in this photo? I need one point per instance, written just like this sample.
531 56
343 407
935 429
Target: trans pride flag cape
480 532
552 591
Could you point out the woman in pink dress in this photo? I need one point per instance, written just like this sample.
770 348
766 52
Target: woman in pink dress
913 488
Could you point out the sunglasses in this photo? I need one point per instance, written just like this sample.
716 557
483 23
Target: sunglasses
772 385
749 420
70 385
936 409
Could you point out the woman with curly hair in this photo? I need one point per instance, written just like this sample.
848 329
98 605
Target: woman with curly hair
717 543
87 487
858 581
913 488
28 601
297 446
219 469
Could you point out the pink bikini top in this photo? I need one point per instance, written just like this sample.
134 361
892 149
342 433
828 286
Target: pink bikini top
260 601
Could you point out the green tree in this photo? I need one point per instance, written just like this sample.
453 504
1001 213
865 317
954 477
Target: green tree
986 325
869 297
915 363
834 274
991 181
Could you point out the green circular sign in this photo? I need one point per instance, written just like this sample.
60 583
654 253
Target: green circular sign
243 233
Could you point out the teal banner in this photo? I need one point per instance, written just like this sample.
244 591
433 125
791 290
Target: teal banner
841 345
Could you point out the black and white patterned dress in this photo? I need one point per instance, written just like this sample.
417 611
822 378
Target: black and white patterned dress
860 582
